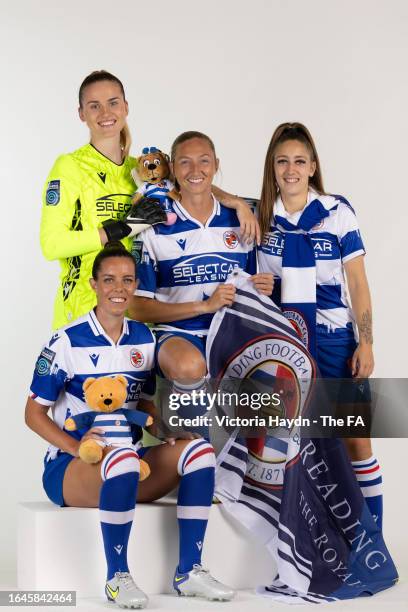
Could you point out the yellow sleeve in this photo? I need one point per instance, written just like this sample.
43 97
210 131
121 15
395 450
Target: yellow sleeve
61 193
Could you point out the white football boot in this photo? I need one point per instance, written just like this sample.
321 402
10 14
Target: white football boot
124 592
199 582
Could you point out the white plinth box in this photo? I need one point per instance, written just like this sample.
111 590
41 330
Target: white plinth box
62 549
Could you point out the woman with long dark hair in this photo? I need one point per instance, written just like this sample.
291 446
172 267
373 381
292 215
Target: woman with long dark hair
312 245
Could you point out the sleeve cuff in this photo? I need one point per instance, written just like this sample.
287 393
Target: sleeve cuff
41 400
353 255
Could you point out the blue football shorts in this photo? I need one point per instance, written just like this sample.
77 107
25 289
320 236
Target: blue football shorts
334 353
54 472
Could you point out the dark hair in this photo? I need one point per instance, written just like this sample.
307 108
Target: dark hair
283 133
111 249
103 75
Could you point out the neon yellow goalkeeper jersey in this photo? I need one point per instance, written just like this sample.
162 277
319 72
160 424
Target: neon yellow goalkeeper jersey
83 189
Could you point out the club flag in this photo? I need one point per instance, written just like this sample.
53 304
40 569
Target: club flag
296 495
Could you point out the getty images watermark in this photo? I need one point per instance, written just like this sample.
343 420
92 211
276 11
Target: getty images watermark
209 400
262 403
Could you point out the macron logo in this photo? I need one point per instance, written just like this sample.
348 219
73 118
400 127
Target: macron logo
118 548
54 339
182 243
94 358
199 545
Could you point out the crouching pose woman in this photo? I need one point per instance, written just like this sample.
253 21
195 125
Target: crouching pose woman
184 268
101 343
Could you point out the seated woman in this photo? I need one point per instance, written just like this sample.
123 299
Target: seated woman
97 344
184 268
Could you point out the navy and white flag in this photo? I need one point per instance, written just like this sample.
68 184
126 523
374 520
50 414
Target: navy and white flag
298 496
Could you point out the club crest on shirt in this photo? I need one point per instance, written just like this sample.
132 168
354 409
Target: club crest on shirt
299 324
230 239
136 358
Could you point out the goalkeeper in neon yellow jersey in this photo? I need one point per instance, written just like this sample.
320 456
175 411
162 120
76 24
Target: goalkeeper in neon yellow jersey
84 189
88 194
87 197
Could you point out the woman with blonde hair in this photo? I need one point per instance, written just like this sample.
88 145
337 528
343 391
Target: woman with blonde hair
184 271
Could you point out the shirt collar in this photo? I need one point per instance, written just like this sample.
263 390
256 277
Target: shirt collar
280 210
184 215
98 330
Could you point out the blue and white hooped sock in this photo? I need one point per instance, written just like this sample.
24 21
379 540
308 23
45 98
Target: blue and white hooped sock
197 392
117 501
369 477
196 467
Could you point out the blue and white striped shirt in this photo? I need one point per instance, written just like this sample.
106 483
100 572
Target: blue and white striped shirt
186 262
336 240
82 349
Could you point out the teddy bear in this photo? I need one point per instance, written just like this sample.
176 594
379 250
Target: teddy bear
105 395
153 177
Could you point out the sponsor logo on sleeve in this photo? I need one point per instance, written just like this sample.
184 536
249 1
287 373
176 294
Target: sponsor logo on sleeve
44 362
137 248
53 193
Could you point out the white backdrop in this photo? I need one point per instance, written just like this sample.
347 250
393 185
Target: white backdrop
234 70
